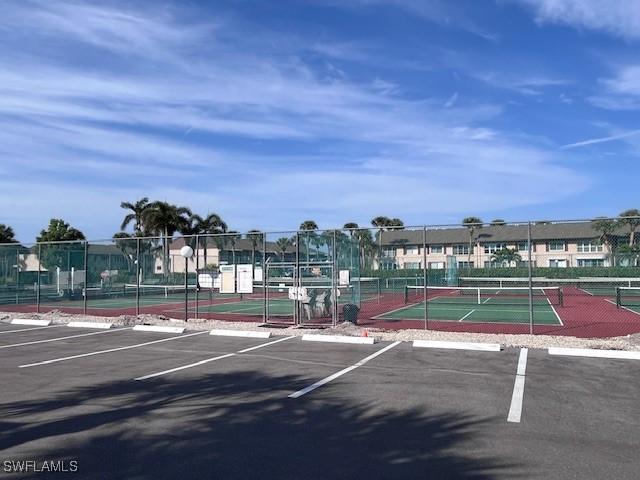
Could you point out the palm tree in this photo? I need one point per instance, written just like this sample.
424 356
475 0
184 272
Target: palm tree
136 216
255 237
164 219
309 227
472 224
212 224
6 234
232 238
606 228
282 245
506 256
631 219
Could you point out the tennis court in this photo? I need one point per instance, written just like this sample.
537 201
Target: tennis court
479 305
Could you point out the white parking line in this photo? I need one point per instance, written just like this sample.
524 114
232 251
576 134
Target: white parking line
57 339
328 379
212 359
29 329
593 353
515 412
118 349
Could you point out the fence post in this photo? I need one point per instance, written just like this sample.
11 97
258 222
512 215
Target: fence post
264 277
425 277
39 275
197 274
86 276
138 271
530 278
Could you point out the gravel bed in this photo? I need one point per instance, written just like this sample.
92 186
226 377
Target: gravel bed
629 342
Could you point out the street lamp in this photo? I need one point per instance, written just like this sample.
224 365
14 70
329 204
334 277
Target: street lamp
187 253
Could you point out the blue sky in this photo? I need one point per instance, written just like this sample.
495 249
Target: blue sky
270 113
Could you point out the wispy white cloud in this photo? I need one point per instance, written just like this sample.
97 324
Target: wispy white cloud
617 17
621 91
451 101
196 118
610 138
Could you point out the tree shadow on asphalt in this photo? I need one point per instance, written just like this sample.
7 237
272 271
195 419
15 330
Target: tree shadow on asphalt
241 425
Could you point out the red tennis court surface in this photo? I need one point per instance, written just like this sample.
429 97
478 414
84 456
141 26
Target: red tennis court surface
582 315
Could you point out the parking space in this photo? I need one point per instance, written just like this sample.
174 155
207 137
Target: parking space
231 407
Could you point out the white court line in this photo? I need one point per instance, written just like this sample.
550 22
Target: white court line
328 379
621 306
515 412
118 349
56 339
467 315
212 359
554 311
29 329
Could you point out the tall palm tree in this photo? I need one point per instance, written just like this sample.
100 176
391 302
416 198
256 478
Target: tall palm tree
282 245
232 239
473 224
631 219
212 224
309 227
7 234
136 216
164 219
606 228
256 238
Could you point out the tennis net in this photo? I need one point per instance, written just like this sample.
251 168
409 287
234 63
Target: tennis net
627 297
599 286
485 295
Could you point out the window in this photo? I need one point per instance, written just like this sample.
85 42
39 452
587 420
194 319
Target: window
523 246
493 247
436 265
556 246
436 249
389 252
412 250
561 263
589 246
591 262
388 266
465 264
412 265
461 249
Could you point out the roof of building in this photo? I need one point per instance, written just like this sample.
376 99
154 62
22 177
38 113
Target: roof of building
497 233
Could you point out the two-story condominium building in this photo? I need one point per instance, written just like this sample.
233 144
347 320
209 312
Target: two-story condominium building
553 245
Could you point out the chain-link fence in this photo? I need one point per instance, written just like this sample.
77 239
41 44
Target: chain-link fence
571 277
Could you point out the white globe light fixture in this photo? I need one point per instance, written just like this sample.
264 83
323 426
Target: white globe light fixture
186 251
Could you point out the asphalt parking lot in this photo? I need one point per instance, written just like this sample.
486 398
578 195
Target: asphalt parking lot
125 404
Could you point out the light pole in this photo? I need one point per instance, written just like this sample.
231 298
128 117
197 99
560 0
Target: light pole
187 253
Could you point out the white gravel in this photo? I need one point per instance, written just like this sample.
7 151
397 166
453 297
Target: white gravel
629 342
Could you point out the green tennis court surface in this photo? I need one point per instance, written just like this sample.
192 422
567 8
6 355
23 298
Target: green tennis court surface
495 310
280 307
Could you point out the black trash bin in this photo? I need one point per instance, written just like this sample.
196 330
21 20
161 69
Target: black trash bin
350 313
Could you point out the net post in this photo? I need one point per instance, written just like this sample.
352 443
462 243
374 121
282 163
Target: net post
138 271
479 295
39 275
425 275
618 297
530 274
86 277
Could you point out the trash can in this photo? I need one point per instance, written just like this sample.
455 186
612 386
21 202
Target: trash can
350 313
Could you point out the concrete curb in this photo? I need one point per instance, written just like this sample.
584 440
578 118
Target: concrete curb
240 333
101 325
594 353
483 347
158 329
338 339
25 321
